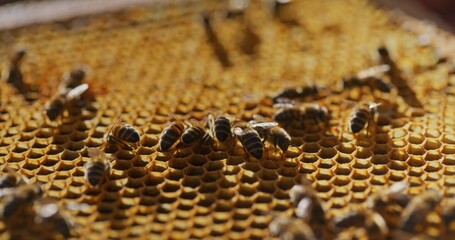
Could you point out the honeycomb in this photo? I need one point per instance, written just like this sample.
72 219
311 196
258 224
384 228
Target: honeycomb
149 61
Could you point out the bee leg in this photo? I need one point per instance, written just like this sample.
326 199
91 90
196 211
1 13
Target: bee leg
368 126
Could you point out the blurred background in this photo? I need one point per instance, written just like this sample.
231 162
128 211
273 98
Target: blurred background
441 12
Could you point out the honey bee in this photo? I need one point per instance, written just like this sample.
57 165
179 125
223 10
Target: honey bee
195 131
274 133
218 48
290 112
171 134
19 199
392 195
418 209
12 73
220 126
124 135
11 179
373 222
50 215
249 138
291 229
308 205
97 169
297 92
55 106
404 90
361 116
73 78
369 77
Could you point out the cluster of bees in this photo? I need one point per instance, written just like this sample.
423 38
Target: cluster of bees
366 221
22 204
251 135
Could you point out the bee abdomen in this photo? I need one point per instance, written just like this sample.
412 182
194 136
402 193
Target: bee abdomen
129 134
190 135
358 120
222 128
95 172
285 115
284 143
8 181
253 144
169 137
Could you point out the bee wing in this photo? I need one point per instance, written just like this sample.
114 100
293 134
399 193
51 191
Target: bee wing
239 132
73 206
264 124
259 118
94 152
373 105
283 105
373 71
194 122
77 91
304 208
46 210
398 187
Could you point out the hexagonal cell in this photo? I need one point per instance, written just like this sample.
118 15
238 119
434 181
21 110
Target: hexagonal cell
323 174
416 149
327 153
448 138
361 164
363 153
432 133
310 148
433 167
432 144
342 169
344 158
433 155
347 148
448 149
400 154
415 161
329 142
360 174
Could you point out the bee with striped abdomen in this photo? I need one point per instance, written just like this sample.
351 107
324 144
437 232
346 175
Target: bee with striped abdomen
19 199
249 138
195 131
290 112
274 133
124 135
97 169
220 126
309 206
361 116
171 134
58 103
418 209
